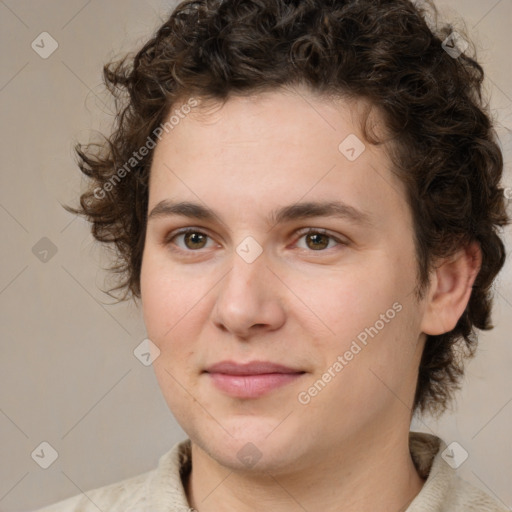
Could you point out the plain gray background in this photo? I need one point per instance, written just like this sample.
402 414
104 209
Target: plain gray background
69 376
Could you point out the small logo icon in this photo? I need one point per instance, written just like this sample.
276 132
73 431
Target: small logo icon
44 45
454 45
249 249
44 250
351 147
45 455
146 352
454 455
249 455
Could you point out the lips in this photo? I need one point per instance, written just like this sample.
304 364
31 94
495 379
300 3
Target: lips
252 368
251 380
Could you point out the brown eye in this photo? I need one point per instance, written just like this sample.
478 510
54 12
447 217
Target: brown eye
317 241
190 240
194 240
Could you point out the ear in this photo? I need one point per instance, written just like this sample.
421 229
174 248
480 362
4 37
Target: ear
450 288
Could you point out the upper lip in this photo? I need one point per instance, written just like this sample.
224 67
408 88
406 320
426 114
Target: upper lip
252 368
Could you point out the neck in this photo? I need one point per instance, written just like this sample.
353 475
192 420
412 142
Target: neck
367 474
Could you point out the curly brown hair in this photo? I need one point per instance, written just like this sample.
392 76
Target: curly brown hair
388 52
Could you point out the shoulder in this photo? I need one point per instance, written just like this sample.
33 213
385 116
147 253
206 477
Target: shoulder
120 496
147 492
444 490
470 499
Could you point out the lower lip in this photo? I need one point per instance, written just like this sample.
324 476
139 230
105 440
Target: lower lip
251 386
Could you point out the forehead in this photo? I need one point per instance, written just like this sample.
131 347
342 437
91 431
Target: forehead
277 146
291 113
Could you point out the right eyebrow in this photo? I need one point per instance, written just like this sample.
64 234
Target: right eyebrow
168 208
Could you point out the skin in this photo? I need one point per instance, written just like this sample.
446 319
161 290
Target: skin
296 304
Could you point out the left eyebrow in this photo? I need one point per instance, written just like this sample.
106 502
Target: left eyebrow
310 209
281 215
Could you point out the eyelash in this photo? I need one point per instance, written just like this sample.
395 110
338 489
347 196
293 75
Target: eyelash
300 233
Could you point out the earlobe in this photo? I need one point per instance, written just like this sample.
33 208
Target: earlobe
451 285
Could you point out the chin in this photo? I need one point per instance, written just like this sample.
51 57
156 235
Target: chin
255 445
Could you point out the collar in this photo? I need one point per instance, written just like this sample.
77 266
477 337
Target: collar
166 491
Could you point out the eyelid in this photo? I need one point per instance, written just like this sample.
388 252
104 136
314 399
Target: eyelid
306 231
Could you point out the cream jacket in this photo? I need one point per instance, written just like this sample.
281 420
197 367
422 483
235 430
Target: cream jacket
161 490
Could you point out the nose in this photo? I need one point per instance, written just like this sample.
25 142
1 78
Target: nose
250 299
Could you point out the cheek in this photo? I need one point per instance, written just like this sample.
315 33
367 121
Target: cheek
175 305
344 303
363 379
170 309
169 299
367 316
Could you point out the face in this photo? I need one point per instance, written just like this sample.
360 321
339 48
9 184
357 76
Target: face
298 251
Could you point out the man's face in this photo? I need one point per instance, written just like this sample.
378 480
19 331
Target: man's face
336 306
